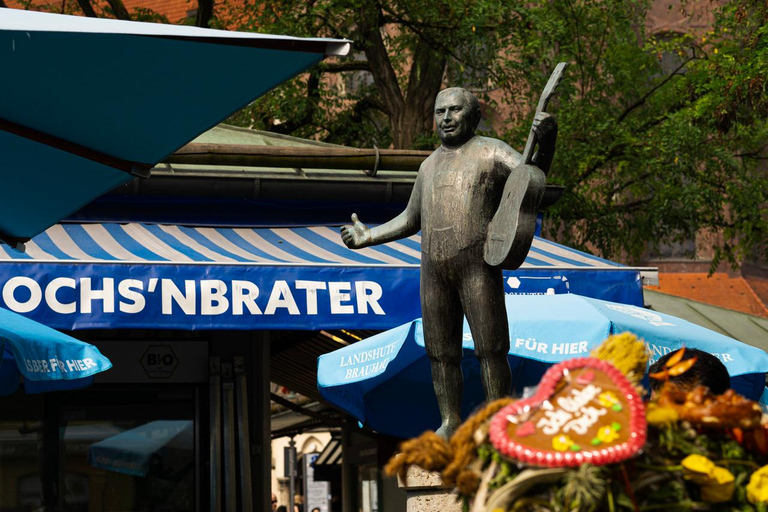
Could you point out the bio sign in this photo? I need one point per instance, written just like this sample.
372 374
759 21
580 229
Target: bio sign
159 361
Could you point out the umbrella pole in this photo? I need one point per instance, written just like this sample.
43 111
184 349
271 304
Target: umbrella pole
292 473
243 437
215 441
228 427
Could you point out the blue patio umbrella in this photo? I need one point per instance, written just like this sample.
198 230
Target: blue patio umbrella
48 359
165 445
385 381
88 104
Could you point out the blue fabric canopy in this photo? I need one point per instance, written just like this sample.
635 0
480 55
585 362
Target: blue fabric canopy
385 381
133 451
155 88
77 276
48 360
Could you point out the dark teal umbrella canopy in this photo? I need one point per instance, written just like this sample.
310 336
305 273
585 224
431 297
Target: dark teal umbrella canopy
88 104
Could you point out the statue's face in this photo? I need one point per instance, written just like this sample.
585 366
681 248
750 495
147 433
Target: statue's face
453 118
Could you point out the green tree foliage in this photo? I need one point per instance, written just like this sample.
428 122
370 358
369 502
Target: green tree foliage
661 136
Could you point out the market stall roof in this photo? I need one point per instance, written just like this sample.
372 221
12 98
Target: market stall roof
155 87
77 276
749 329
261 193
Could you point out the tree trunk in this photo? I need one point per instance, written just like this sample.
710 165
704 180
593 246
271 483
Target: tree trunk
424 82
406 125
410 113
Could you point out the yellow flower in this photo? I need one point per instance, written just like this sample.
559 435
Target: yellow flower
562 443
757 489
721 489
606 434
697 465
624 351
656 415
717 484
607 399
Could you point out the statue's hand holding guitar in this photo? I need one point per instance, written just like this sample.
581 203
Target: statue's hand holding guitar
357 235
544 129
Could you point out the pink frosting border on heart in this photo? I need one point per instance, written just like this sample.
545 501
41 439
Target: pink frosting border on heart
551 458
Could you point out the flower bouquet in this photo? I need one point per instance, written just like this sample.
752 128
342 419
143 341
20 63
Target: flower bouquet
586 441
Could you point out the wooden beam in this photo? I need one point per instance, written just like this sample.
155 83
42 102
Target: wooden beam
299 157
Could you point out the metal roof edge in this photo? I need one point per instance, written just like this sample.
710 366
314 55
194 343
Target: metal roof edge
309 264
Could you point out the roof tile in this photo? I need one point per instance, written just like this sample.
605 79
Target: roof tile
720 289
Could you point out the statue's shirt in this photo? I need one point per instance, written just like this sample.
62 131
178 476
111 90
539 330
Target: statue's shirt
460 191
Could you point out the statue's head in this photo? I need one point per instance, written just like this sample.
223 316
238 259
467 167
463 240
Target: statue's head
457 114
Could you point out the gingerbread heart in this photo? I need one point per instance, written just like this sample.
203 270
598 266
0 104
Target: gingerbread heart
585 411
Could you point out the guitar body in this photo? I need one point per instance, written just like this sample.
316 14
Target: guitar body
510 233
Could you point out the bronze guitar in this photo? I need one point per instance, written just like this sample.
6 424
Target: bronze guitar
510 233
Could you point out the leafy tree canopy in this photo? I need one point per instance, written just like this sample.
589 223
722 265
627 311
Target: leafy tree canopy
661 136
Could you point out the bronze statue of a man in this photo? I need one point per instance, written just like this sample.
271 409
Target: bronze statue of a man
457 192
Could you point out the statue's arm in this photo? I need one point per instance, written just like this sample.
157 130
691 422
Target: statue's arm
406 224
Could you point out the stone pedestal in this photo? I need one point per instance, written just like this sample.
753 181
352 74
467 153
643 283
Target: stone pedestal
426 493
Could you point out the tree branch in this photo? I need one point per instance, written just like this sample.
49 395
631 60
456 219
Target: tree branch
358 65
626 207
87 8
313 96
333 29
754 155
653 89
628 183
119 10
204 13
368 103
417 29
612 153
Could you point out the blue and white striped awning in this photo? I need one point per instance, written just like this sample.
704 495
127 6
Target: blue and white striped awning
147 275
321 245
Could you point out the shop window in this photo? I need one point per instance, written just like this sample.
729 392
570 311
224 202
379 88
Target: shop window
127 449
21 448
368 488
129 465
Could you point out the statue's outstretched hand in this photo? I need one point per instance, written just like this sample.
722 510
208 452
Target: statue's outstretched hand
357 235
